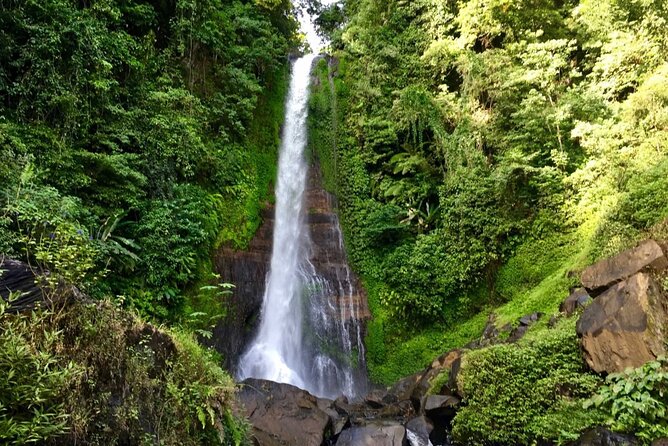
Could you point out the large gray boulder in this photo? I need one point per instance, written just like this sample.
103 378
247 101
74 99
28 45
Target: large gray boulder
284 415
625 326
647 256
374 435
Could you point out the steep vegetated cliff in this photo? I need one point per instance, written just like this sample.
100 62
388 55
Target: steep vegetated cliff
138 136
484 153
484 150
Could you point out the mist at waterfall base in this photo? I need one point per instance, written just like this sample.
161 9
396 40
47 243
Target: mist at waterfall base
309 334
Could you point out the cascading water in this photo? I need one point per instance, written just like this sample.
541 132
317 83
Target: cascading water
310 334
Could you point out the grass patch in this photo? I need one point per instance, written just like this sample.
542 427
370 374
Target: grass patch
395 351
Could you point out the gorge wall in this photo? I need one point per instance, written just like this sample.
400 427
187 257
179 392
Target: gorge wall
248 269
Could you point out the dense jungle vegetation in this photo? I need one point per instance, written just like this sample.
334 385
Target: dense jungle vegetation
135 137
482 151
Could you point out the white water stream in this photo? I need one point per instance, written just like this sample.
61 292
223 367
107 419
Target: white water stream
276 354
309 333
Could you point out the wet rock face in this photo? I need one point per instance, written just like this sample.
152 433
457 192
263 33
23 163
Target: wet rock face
647 256
327 251
624 326
247 270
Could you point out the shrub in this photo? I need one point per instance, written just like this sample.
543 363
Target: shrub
144 384
97 375
647 199
636 401
50 229
526 392
33 380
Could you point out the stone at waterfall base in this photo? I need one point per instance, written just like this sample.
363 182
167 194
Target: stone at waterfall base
374 435
283 415
603 437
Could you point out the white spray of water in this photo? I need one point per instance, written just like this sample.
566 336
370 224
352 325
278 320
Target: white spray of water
302 340
277 353
416 440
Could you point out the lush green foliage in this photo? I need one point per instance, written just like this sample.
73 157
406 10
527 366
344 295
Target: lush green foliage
635 401
33 382
136 137
147 133
96 375
524 393
485 150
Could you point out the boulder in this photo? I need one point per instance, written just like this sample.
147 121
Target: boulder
438 402
604 437
490 331
397 411
404 388
376 399
625 326
284 415
343 407
418 430
647 256
374 435
445 362
517 333
338 422
28 287
441 410
18 277
454 373
579 298
524 323
492 335
529 319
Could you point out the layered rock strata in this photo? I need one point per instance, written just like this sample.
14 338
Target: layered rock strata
248 269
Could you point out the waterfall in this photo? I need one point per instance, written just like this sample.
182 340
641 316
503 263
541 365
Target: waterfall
310 334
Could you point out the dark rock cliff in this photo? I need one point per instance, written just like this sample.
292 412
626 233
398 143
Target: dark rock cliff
328 254
247 270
